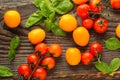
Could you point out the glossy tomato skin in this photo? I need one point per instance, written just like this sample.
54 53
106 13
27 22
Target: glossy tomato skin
100 25
86 58
55 50
87 23
40 73
24 69
33 59
82 10
96 6
115 4
95 48
49 62
42 48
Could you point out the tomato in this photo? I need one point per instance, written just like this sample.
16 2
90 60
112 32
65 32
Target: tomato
40 73
115 4
96 5
24 69
87 23
49 62
55 50
42 48
95 48
86 58
79 1
101 25
82 10
33 58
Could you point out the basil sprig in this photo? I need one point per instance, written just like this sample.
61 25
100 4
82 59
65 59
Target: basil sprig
14 43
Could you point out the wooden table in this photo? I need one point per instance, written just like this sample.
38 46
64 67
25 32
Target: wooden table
62 70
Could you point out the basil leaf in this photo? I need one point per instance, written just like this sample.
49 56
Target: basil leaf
37 3
115 64
46 8
48 23
5 71
15 42
11 54
63 7
34 18
112 43
57 30
102 66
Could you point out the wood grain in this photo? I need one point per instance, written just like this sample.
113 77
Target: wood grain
62 70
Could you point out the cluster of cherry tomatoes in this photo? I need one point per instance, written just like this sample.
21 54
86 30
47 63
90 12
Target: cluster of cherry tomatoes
86 10
39 62
95 50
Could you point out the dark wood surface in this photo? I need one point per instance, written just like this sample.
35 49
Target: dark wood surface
62 70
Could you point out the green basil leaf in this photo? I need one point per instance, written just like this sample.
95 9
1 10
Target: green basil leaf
11 54
115 64
46 8
102 66
63 6
37 3
112 43
57 30
15 42
5 71
34 18
48 23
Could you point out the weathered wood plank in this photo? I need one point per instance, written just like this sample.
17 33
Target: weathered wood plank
62 70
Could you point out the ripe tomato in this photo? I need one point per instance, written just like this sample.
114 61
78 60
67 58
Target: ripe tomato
33 58
86 58
49 62
55 50
96 5
115 4
95 48
24 69
101 25
42 48
87 23
40 73
82 10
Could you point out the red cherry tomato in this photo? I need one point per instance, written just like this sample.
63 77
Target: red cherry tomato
55 50
42 48
82 10
95 48
86 58
33 58
100 25
40 73
96 5
87 23
24 69
115 4
49 62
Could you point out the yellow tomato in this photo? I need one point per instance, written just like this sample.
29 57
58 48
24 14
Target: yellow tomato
117 31
81 36
73 56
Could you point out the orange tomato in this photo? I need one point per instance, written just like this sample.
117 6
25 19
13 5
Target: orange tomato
68 23
117 31
12 18
79 1
55 50
73 56
36 36
81 36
